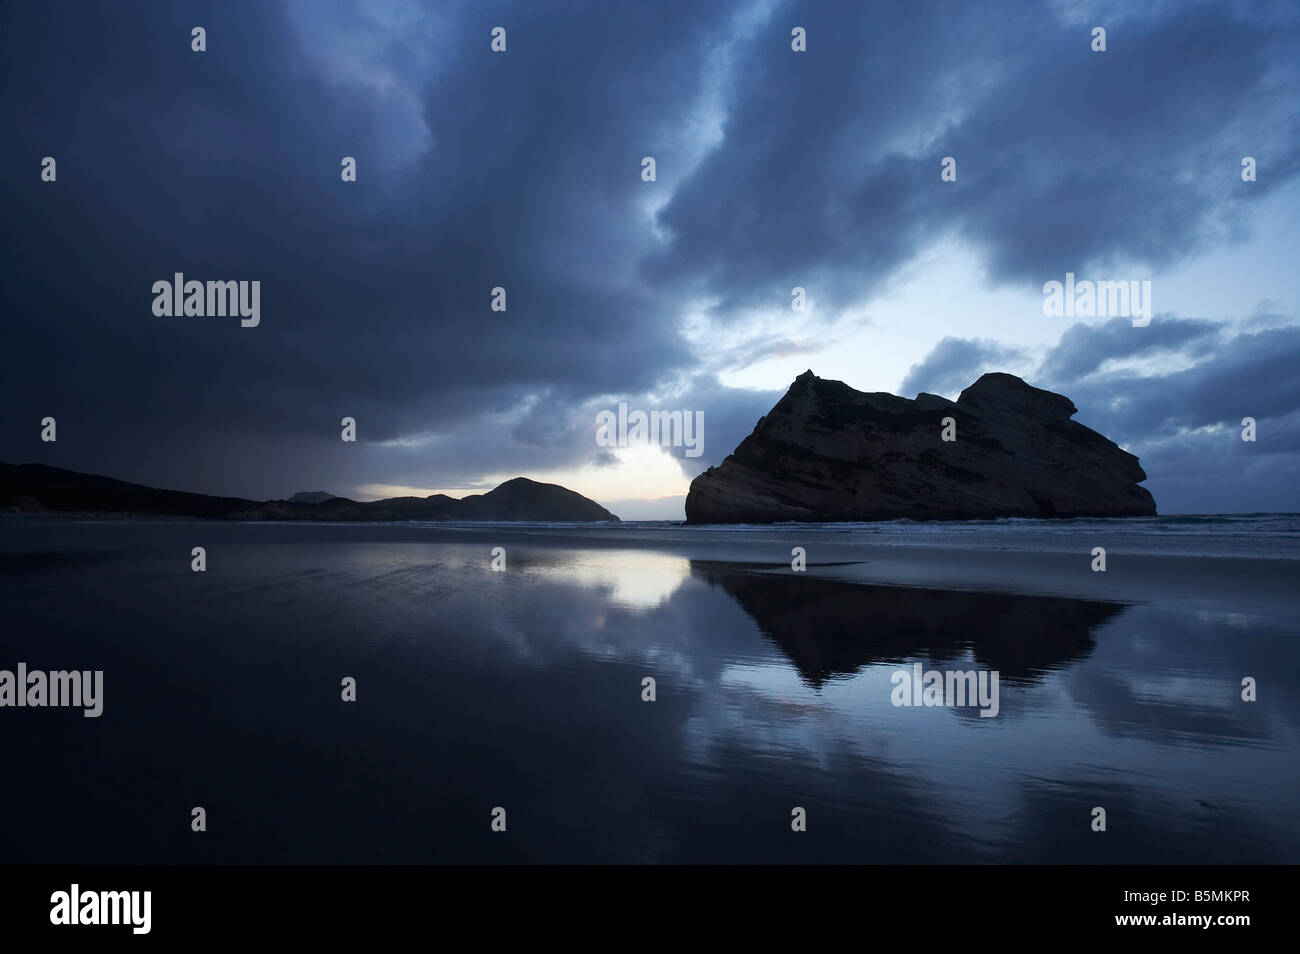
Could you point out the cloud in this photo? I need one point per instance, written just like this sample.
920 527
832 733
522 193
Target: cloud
225 164
1085 348
1067 159
956 363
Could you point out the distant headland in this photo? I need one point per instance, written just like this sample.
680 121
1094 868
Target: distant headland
38 488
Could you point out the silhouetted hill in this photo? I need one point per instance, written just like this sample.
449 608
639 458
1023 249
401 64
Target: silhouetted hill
38 488
311 497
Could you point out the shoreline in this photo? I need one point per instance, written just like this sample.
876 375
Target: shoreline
1017 562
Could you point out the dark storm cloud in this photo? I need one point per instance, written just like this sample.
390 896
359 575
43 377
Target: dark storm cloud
1085 348
956 363
523 170
1066 159
225 164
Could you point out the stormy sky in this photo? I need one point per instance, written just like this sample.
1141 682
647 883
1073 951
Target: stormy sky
523 169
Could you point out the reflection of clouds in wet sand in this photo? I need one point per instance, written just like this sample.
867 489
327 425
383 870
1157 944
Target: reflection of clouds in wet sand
1175 678
1158 687
638 579
781 680
615 606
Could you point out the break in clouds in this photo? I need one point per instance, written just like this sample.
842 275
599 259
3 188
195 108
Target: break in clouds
522 170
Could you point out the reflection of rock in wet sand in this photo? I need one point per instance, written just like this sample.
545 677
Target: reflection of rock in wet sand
830 628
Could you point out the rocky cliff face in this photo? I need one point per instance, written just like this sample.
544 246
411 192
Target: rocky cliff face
827 452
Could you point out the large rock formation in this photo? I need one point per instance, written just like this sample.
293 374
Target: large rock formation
827 452
37 488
